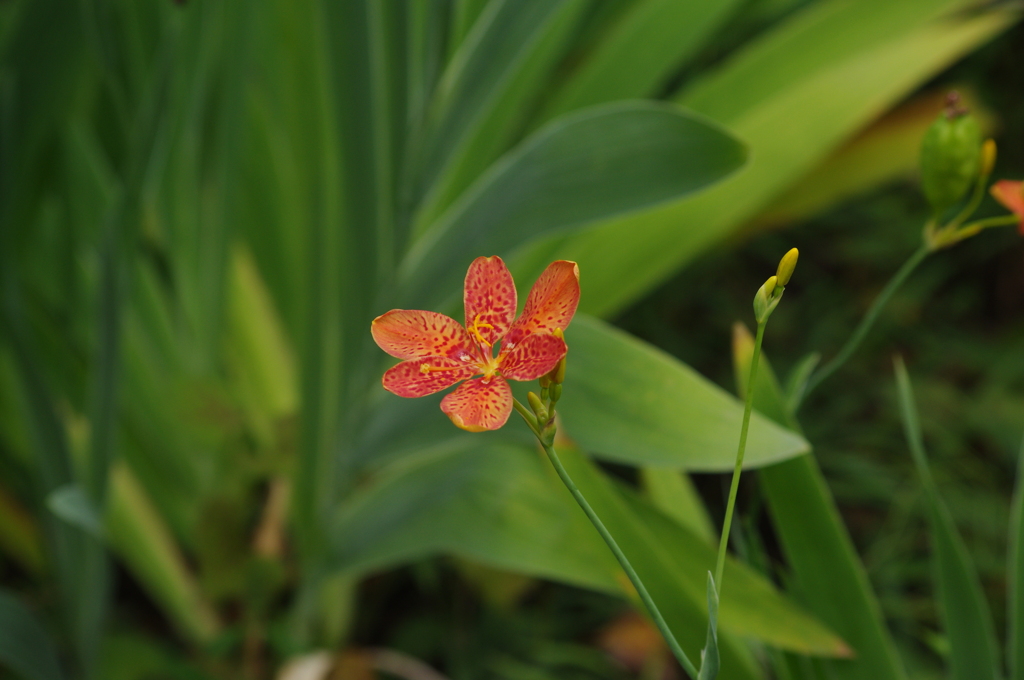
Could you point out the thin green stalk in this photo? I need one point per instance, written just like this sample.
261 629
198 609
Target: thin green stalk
867 322
731 505
998 221
659 620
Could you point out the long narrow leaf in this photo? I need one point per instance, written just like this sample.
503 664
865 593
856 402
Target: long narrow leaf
588 166
1015 613
965 612
827 571
25 646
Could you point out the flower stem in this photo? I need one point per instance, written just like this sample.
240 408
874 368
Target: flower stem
866 323
659 620
998 221
641 590
741 450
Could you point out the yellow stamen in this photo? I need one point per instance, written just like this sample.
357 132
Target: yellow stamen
474 330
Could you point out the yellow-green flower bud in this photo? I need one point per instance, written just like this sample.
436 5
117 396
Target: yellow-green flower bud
556 392
786 266
762 300
538 407
951 156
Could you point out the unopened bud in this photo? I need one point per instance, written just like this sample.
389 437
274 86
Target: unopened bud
786 266
988 157
951 156
556 392
762 299
538 407
558 374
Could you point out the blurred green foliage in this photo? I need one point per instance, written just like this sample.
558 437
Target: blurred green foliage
205 204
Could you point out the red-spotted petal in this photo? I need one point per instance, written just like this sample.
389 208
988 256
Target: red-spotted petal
551 304
490 298
1011 195
413 334
479 404
420 377
533 357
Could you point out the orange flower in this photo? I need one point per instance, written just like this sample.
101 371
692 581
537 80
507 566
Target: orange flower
1011 195
439 351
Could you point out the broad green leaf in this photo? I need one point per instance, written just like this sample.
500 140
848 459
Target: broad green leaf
1015 610
495 503
780 95
627 401
674 494
826 569
490 87
589 165
965 613
502 504
25 646
639 51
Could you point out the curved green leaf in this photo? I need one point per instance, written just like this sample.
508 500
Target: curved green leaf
591 165
25 647
627 401
501 504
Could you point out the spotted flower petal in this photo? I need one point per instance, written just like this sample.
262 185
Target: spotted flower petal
490 299
420 377
533 357
551 304
414 334
1011 195
479 404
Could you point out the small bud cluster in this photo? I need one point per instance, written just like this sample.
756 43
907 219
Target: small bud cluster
543 405
769 294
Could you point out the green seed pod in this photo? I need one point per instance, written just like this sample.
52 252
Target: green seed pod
950 156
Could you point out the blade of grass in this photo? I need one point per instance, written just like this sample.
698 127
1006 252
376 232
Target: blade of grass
1015 629
965 612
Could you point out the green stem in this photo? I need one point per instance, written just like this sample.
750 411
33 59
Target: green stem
999 221
866 323
731 505
641 590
